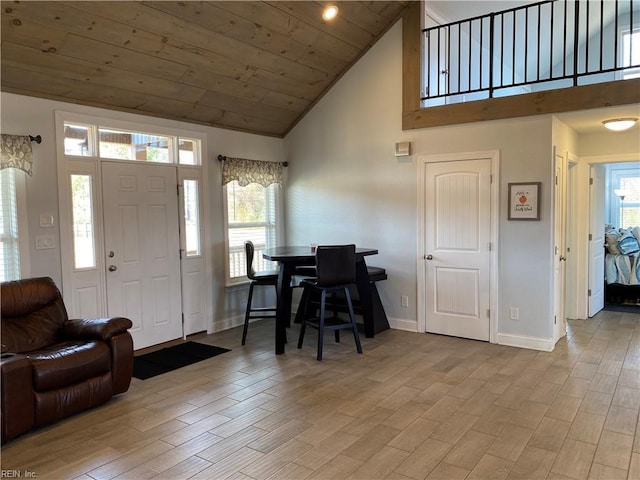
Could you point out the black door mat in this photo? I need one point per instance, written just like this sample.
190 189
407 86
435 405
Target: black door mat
171 358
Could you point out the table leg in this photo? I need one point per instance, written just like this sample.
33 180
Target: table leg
366 300
283 313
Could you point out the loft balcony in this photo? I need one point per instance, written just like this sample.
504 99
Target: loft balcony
546 57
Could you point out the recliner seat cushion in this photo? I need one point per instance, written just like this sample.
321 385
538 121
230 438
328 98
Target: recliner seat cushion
68 363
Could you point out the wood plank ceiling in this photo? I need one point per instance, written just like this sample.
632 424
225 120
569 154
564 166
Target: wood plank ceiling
243 65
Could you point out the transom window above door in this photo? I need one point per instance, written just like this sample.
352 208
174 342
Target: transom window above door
118 144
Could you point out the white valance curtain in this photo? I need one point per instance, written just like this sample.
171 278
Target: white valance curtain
16 152
251 171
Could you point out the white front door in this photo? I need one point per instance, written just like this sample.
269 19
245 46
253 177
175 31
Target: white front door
596 239
457 248
142 244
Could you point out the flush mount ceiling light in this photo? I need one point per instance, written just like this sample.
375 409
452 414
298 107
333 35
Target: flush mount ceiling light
330 12
620 124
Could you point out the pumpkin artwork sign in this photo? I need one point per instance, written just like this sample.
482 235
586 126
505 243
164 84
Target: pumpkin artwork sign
524 201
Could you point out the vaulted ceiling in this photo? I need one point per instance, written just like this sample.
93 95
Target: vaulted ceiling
244 65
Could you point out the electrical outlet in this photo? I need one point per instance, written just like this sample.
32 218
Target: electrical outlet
404 300
515 313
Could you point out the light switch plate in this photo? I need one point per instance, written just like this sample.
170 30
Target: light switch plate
45 242
46 220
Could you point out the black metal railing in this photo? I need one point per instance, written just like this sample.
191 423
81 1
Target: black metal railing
545 45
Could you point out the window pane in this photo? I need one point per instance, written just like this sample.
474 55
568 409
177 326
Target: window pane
245 204
630 206
82 211
76 140
251 216
134 146
188 151
631 53
237 257
631 48
9 247
191 218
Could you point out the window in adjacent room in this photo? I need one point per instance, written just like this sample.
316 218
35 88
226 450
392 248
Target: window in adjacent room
628 194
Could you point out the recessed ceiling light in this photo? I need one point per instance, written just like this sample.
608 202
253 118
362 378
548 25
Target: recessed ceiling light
619 124
330 12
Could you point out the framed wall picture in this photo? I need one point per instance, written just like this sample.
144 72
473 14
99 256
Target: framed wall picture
524 201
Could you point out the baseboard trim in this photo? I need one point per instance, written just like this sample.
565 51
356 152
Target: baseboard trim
403 324
228 323
524 341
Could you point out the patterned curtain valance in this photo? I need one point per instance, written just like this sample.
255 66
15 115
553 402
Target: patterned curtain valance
251 171
16 152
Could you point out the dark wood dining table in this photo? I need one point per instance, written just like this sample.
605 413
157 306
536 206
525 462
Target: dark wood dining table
290 257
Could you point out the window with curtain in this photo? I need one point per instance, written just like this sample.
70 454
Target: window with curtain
15 161
252 211
9 239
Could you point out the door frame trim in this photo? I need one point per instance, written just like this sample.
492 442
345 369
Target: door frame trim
91 165
582 226
422 161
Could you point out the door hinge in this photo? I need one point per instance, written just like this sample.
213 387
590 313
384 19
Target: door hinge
556 180
589 293
591 181
491 178
590 237
490 246
488 313
180 253
555 319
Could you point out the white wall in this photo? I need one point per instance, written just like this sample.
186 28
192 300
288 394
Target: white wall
607 143
345 185
23 115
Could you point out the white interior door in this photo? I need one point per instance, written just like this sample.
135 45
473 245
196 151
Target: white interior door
596 239
457 248
560 248
142 249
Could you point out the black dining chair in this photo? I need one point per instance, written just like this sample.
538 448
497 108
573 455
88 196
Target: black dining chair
335 271
265 278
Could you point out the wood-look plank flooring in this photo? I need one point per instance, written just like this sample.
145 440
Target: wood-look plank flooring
413 406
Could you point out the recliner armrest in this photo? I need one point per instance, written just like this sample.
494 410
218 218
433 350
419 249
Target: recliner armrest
95 328
16 387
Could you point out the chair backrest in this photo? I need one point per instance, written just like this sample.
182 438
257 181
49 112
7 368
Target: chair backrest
32 312
249 250
335 265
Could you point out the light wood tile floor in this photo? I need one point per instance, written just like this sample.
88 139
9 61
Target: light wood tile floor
414 406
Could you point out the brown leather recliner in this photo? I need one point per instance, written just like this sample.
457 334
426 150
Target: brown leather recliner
52 366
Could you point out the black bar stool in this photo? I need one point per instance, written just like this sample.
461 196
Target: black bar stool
335 270
269 277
